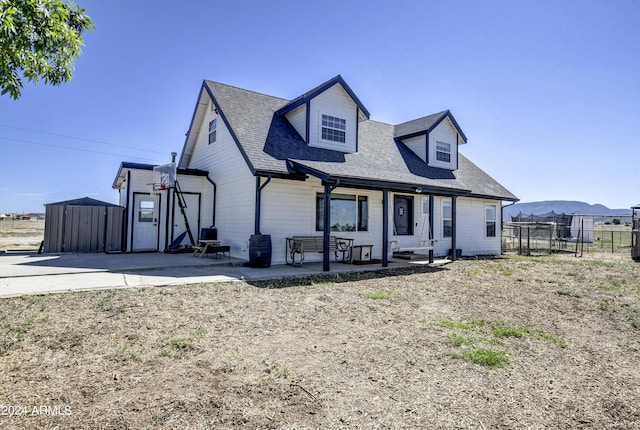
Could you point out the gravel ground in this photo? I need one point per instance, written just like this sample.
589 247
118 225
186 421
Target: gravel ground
551 342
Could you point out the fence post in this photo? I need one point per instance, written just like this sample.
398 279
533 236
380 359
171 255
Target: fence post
519 240
612 241
582 237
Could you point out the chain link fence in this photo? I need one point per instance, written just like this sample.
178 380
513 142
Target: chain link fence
541 238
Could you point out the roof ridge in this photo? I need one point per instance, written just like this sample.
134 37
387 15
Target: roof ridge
209 81
424 116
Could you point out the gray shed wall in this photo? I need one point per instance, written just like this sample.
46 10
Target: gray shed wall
71 228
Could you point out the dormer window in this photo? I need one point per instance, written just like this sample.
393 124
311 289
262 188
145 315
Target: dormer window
333 129
213 130
443 151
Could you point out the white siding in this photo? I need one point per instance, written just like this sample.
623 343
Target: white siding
289 209
335 102
193 185
471 231
444 132
235 200
189 184
137 184
298 119
418 146
470 227
420 223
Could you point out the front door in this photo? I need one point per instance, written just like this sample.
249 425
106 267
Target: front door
403 215
145 223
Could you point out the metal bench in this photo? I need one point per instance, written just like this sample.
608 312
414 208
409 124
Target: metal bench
302 244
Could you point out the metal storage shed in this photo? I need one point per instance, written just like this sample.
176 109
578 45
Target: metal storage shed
83 225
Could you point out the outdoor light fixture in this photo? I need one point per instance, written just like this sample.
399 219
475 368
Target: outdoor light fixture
419 190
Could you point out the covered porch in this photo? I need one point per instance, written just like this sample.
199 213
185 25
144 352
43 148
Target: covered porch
387 231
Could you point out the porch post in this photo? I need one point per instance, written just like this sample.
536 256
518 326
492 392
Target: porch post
431 206
326 217
453 227
385 228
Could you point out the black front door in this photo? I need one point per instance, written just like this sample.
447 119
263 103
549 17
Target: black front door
403 215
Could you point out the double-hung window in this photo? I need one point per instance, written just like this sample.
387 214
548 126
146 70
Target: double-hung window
348 212
447 219
213 132
491 220
334 128
443 151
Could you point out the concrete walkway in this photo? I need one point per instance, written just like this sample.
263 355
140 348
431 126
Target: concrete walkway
30 273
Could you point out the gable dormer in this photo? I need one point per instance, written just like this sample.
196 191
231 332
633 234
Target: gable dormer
327 116
434 138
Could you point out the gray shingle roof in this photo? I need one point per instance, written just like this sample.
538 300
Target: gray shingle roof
321 88
267 141
418 125
426 123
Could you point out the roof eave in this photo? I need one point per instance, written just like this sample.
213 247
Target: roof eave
445 114
375 184
298 101
183 154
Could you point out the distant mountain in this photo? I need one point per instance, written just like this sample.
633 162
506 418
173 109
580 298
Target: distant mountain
562 206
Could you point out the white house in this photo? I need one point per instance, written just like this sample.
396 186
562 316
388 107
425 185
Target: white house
258 164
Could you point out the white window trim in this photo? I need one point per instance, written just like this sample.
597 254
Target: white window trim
450 203
357 202
215 130
486 220
449 152
329 141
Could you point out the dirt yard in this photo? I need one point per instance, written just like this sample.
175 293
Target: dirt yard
507 343
21 235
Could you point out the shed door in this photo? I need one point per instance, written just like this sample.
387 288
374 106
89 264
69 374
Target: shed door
145 223
403 215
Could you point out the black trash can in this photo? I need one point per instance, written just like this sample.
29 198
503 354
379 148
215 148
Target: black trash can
260 250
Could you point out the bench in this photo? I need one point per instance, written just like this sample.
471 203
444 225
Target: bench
302 244
426 245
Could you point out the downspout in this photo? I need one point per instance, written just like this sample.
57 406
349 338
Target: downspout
215 196
258 202
502 221
502 216
167 215
125 240
454 200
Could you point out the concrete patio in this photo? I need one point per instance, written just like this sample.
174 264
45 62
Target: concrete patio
31 273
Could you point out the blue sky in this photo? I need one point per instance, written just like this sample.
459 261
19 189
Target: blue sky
547 92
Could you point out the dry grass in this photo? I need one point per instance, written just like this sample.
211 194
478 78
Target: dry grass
21 235
409 350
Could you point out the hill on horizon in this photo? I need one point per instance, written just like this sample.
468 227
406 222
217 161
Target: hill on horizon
562 206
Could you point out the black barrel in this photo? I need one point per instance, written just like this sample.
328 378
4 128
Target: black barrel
260 250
